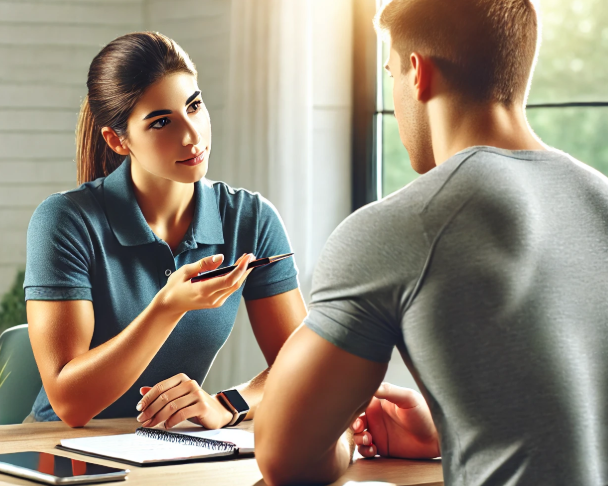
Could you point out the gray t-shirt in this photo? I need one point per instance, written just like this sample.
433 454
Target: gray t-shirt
490 275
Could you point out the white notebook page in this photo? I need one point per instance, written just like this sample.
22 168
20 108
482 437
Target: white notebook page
132 447
243 439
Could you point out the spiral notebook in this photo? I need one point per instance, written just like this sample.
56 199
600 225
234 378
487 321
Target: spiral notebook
155 447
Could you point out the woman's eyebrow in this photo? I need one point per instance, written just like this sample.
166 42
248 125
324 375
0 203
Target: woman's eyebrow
157 113
169 112
194 95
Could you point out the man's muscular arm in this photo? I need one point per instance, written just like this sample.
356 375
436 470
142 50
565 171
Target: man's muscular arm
313 393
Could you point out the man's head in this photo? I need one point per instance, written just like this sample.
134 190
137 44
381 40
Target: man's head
472 52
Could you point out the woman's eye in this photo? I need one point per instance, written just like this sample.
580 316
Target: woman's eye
160 123
194 107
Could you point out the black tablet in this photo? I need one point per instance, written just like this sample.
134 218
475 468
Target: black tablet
52 469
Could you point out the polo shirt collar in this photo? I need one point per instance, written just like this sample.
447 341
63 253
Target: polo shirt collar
131 228
207 227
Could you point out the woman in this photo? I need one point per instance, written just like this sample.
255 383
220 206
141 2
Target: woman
110 305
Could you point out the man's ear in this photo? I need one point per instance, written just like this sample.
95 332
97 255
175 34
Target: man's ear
114 141
422 71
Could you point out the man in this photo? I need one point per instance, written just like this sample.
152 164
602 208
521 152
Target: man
488 274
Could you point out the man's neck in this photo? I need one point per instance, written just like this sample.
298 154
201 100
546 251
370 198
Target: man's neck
456 127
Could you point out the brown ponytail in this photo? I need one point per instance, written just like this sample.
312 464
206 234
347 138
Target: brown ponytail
118 77
94 158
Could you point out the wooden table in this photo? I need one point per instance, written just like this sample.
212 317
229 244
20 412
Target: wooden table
44 436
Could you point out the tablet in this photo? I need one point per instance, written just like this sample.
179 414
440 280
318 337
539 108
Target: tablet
52 469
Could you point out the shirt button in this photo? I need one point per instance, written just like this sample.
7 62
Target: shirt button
167 272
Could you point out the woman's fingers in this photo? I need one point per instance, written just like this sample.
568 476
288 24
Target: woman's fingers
188 412
167 398
223 294
206 264
239 272
174 410
186 400
159 389
227 284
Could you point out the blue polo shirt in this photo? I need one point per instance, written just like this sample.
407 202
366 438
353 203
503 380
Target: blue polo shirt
93 243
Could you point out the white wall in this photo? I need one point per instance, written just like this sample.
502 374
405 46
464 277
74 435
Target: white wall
46 47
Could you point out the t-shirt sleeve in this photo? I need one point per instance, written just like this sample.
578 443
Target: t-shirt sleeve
272 239
362 280
59 253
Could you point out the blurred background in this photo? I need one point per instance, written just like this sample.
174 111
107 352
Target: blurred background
301 111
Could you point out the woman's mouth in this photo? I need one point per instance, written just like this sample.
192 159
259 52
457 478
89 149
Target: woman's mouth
194 160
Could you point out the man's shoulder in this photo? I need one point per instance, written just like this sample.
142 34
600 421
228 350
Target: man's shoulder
407 205
489 174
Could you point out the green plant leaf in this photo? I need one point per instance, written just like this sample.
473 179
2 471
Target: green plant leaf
12 305
3 375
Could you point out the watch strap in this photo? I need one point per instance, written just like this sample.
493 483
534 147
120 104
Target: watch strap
238 414
239 418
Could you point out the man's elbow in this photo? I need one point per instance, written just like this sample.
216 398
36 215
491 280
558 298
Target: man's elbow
281 467
275 465
269 464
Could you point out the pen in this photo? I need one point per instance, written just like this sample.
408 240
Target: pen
225 270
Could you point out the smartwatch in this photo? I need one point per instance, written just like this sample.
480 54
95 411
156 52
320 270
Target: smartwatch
235 404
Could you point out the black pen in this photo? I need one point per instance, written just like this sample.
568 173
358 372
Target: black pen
225 270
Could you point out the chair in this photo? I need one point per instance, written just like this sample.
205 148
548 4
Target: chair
19 377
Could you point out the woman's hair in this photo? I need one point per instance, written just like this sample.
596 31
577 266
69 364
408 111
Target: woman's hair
118 77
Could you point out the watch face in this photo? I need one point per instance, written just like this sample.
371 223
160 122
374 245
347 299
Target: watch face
236 400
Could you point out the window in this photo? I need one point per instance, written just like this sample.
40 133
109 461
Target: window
567 107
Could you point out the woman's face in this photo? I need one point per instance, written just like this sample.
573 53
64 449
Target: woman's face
169 131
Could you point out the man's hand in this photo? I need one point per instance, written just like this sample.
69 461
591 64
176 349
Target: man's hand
397 423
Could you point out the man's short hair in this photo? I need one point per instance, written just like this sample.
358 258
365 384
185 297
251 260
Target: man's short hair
485 49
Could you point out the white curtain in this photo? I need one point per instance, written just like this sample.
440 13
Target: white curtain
267 143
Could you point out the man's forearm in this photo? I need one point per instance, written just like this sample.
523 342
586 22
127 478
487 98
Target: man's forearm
313 393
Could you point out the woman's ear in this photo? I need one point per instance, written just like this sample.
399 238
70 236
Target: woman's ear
114 141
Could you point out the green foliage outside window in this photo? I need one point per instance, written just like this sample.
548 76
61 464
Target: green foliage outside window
12 306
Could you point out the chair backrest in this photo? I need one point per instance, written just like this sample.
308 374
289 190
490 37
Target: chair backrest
19 378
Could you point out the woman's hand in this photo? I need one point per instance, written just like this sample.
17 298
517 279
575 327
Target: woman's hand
397 423
177 399
180 295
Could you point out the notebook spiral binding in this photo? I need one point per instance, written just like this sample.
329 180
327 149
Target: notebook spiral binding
216 445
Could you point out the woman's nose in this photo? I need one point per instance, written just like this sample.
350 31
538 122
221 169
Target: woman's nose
191 137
